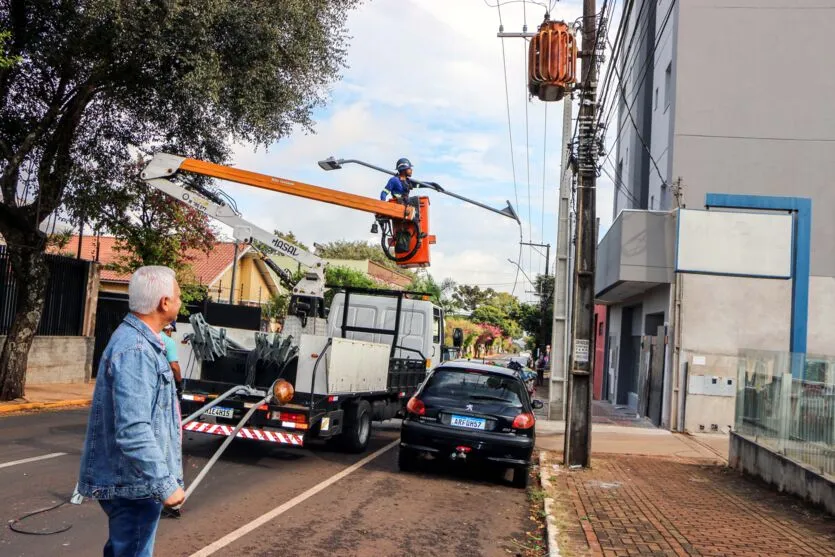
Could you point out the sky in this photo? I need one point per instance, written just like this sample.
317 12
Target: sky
426 81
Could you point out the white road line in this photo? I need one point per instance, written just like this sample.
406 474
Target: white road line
281 509
33 459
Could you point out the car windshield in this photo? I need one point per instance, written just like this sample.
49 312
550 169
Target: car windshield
474 385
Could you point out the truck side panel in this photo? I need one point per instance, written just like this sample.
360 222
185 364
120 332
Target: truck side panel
348 366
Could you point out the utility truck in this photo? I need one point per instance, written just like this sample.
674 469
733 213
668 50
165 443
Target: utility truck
332 370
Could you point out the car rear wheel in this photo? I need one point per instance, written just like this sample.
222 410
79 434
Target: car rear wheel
357 430
406 459
520 477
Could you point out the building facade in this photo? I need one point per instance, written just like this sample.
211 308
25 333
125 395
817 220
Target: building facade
702 111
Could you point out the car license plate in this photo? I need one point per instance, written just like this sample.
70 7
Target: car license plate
466 421
221 412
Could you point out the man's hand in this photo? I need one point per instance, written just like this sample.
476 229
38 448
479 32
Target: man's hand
175 498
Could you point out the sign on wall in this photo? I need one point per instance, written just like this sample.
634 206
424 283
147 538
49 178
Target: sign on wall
734 243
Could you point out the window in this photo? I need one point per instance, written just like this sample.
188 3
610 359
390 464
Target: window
474 386
655 103
436 326
652 203
668 86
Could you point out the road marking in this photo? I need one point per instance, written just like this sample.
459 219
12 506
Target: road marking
281 509
33 459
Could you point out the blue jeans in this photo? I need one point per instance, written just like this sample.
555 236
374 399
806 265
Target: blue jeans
133 526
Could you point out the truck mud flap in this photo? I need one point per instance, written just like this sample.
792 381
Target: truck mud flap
281 438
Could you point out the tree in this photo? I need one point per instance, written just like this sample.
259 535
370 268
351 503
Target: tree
90 83
358 250
290 237
277 306
336 276
150 228
470 297
441 293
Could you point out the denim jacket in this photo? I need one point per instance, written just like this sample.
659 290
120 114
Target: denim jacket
133 448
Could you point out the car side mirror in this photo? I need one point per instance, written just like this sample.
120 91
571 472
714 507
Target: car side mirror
537 404
458 337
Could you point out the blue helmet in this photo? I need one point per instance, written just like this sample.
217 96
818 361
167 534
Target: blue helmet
403 164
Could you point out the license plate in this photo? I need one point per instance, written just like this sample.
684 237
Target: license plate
466 421
221 412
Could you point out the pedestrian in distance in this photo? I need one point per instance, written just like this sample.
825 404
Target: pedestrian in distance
171 355
132 456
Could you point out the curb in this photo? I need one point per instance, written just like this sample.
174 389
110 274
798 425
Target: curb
23 406
550 521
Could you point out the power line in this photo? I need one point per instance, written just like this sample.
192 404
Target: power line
528 155
544 168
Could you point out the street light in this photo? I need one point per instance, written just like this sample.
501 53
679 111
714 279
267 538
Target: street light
332 163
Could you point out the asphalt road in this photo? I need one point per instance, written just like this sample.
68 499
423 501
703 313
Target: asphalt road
315 508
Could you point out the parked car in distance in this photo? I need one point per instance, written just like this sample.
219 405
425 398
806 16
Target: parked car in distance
466 411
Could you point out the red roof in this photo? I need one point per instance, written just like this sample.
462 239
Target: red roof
207 268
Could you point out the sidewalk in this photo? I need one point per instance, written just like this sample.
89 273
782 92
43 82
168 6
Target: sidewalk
652 492
51 396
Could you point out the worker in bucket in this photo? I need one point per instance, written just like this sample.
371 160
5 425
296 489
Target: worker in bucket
132 456
399 186
171 355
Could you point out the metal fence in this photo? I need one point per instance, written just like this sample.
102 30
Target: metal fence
786 402
66 295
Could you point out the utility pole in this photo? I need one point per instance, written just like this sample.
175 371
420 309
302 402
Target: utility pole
562 283
578 419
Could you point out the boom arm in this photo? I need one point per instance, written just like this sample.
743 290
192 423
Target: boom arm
163 166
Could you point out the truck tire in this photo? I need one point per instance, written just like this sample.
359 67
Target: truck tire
357 430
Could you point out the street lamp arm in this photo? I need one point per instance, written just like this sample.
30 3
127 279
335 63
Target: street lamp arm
335 164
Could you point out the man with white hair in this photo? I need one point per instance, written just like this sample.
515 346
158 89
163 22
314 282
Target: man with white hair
131 462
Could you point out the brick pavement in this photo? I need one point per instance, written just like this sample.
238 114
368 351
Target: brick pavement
666 505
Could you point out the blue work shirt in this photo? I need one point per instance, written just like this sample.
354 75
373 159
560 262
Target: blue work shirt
396 187
170 348
133 447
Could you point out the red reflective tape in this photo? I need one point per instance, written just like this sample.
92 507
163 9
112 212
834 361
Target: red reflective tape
258 434
269 436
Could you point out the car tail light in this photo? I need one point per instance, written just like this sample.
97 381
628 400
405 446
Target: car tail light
524 421
416 406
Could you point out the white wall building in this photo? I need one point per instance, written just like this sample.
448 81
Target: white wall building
728 97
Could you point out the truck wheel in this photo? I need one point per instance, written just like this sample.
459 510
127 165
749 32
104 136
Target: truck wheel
357 430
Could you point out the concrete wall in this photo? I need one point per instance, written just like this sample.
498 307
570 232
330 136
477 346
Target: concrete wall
722 315
745 134
59 359
777 470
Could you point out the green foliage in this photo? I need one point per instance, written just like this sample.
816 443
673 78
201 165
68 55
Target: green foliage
277 306
336 276
441 293
85 85
470 297
6 61
358 250
150 227
290 237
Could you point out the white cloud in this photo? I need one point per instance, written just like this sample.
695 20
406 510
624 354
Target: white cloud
426 80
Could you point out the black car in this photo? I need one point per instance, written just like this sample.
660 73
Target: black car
468 411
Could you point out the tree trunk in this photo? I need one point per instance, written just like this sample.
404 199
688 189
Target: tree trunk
32 275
